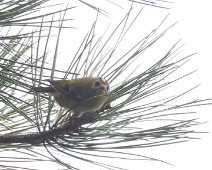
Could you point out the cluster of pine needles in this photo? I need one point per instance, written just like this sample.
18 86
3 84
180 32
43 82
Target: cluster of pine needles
27 119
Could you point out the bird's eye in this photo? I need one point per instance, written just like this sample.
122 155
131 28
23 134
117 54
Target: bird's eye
97 83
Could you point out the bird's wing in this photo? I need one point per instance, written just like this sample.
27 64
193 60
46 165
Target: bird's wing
66 90
74 95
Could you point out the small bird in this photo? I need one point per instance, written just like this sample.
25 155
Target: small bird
81 95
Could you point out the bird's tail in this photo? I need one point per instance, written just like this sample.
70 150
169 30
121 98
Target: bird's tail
43 89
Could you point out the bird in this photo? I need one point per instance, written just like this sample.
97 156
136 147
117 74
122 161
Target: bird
81 95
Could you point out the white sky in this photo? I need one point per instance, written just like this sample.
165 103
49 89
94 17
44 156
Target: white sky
194 28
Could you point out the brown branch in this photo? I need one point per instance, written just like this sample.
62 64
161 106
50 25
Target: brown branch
70 126
39 137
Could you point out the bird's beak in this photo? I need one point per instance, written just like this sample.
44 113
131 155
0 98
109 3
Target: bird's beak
104 88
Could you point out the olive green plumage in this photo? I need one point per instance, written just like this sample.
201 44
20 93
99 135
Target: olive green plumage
81 95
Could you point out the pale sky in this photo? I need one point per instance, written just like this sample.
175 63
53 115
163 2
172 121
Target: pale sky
194 28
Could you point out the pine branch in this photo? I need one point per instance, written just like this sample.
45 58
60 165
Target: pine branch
72 125
40 137
134 99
